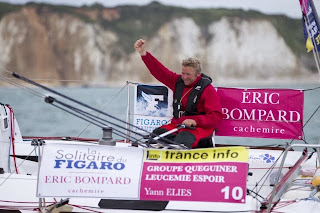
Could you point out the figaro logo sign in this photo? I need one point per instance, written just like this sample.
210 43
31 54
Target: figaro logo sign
87 160
89 171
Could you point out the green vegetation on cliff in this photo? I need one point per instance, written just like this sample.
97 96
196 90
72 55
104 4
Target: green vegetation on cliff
144 21
6 8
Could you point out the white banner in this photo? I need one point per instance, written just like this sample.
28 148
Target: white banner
90 171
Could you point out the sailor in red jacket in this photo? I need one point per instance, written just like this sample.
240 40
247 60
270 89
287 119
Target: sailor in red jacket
195 101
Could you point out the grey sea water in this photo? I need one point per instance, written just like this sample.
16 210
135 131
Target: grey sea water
38 118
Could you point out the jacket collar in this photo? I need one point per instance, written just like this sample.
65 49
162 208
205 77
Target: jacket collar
195 82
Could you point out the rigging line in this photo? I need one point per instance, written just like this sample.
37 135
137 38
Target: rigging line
311 89
17 167
165 141
269 171
287 175
36 93
50 100
104 83
271 168
129 82
278 185
86 119
36 110
73 100
302 128
103 109
305 124
94 118
44 79
5 70
120 133
50 79
87 113
251 191
266 175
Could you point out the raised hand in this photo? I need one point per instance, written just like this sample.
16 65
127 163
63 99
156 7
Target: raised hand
140 46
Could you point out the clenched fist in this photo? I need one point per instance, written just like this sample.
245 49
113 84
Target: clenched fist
140 46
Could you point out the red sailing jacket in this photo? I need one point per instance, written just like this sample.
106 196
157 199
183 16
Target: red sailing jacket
209 102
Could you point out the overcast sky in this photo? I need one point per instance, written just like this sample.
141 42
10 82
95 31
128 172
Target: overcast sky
290 8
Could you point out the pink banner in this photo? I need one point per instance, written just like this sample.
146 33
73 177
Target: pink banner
212 182
261 113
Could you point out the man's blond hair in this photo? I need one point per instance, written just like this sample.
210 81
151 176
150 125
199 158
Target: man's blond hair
192 62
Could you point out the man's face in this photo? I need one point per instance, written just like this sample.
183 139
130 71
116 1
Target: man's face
189 75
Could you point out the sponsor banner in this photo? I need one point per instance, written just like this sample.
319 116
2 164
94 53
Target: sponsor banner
261 113
89 171
219 154
195 175
152 107
133 173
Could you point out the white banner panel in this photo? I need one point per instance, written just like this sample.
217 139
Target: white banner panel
90 171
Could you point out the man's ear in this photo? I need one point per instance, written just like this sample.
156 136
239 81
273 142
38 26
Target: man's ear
198 74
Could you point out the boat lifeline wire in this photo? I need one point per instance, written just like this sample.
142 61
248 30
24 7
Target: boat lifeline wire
17 167
104 108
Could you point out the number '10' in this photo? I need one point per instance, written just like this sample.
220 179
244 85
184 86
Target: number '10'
236 193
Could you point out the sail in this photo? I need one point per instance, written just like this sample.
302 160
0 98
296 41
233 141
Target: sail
310 22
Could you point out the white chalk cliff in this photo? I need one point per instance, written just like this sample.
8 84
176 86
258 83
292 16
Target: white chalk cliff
63 47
